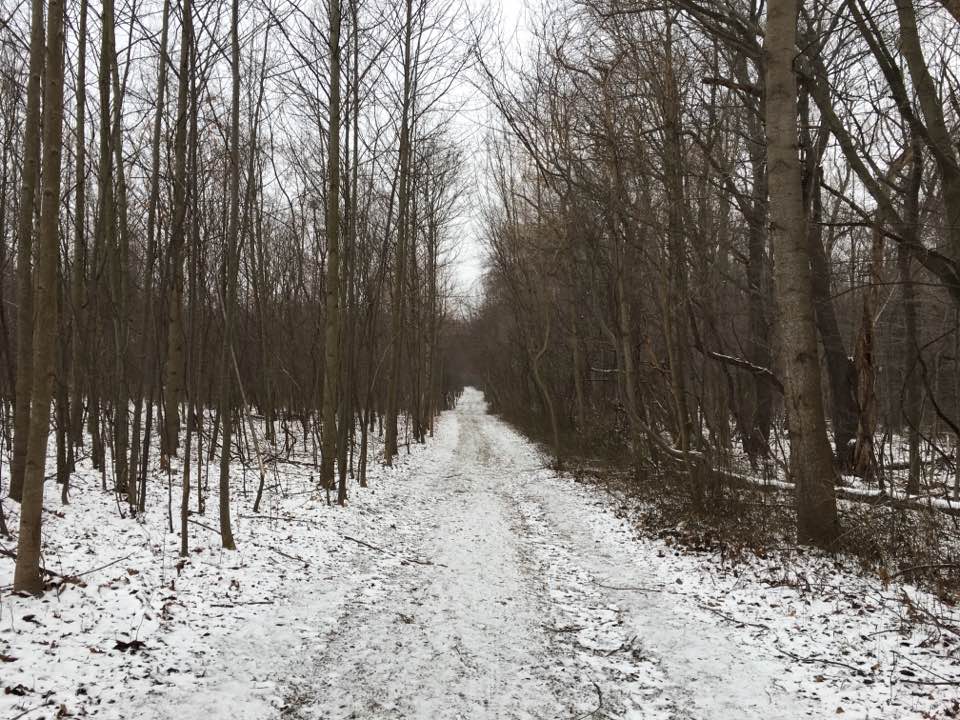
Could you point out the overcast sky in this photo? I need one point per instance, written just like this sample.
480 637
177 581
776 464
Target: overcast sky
473 121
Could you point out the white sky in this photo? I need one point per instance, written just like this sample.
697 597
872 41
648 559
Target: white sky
469 250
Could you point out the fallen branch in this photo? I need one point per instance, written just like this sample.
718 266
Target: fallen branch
730 618
98 568
934 566
295 558
843 493
814 659
943 680
623 646
392 554
636 588
564 629
30 710
599 703
205 527
274 518
13 555
276 459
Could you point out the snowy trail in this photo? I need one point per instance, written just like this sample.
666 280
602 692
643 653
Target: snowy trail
511 619
472 582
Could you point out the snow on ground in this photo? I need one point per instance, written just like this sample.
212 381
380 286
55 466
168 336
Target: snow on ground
468 582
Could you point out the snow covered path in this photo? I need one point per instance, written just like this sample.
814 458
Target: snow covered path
494 589
468 582
517 616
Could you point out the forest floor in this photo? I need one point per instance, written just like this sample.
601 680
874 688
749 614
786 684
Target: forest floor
470 581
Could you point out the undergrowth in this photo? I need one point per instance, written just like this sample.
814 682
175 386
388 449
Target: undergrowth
735 522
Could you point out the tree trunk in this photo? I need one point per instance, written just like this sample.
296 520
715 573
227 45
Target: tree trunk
145 357
758 284
840 371
864 458
230 283
331 365
175 360
396 325
912 397
811 462
28 194
185 489
27 572
78 292
675 319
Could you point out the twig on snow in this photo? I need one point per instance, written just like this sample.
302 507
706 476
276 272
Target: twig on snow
945 680
636 588
730 618
30 710
814 659
205 527
623 646
564 629
393 554
295 558
936 566
274 518
97 569
599 706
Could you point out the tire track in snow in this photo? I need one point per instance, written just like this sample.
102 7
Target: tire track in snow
460 638
592 637
512 620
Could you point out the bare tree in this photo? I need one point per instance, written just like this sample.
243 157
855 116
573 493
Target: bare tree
27 576
28 193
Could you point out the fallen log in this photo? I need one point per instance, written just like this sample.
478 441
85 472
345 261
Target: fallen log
919 503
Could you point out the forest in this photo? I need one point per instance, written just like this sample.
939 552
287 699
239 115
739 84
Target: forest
258 411
720 271
235 213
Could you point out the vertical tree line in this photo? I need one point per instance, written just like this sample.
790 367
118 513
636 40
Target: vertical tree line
720 236
220 240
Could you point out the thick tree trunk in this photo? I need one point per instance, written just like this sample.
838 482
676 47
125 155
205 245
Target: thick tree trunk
173 390
28 194
27 572
810 458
